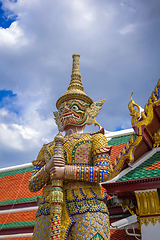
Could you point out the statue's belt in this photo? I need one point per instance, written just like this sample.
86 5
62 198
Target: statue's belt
74 185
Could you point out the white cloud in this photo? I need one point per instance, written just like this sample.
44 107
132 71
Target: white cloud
26 135
12 35
10 138
3 112
82 15
28 129
127 29
26 132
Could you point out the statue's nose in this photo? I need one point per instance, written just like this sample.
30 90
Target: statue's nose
66 108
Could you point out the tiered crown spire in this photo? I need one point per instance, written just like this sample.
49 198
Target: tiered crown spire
75 82
75 89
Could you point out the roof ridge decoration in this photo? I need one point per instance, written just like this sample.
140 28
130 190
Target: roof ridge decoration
148 206
16 171
145 125
16 167
156 139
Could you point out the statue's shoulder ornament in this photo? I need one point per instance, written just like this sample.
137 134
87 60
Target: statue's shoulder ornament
48 151
100 131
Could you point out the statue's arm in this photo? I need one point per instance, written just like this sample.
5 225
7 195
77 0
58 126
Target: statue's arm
101 168
39 176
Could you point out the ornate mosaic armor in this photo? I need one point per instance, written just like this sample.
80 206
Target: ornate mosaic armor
89 154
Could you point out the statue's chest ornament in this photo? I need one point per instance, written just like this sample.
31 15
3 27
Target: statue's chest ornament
82 152
78 152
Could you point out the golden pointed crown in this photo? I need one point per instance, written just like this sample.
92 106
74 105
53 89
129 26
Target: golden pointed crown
75 89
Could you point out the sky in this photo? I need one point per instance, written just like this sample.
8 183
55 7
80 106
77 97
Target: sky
119 44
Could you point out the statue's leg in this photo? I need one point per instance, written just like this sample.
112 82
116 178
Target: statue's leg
42 228
90 226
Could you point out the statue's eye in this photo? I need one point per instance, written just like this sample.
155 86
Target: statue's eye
61 110
74 107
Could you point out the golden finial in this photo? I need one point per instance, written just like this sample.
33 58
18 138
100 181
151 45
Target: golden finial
75 82
75 89
135 113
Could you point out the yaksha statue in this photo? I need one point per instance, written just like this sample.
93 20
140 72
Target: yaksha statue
70 168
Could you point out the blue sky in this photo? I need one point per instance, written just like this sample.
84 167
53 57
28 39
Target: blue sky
6 17
6 93
119 46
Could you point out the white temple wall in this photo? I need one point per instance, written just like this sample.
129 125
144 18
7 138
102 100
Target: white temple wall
150 232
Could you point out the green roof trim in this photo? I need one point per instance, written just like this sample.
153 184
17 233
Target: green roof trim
17 224
119 215
20 200
17 171
120 140
140 172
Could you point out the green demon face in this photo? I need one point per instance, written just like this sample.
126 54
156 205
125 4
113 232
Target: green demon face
73 113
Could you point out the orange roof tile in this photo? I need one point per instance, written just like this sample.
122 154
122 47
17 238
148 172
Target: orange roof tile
122 235
19 189
18 217
154 166
116 149
20 238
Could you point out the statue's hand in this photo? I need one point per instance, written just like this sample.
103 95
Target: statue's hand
57 173
58 161
55 161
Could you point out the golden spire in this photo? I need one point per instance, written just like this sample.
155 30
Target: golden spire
75 89
75 82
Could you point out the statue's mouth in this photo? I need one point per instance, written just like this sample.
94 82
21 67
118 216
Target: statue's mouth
68 116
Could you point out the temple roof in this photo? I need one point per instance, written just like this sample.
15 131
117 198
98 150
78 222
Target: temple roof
117 143
18 219
146 136
121 235
22 238
149 168
14 186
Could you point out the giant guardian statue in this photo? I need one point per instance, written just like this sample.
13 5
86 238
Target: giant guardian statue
70 170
